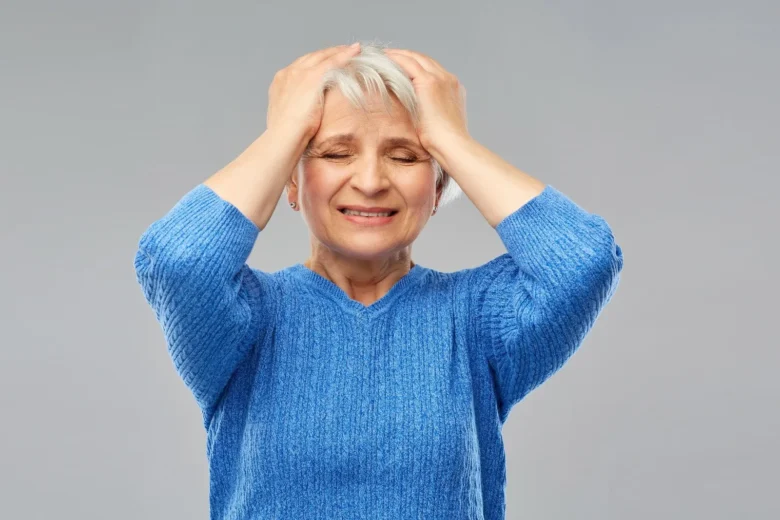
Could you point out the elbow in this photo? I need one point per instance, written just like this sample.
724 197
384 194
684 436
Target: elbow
595 280
602 275
610 264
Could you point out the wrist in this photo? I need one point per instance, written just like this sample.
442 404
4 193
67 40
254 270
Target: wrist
288 138
446 146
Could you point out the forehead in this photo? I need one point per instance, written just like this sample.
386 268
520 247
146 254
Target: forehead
341 121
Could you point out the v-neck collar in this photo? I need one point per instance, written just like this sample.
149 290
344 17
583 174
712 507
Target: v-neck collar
338 295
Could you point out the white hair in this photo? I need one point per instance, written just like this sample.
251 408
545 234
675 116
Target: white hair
371 71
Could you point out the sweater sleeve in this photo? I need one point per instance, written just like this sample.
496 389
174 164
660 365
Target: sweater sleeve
212 307
535 304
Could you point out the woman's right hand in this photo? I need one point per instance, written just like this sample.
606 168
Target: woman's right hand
294 95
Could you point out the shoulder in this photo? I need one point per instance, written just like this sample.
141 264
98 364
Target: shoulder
271 282
492 267
471 280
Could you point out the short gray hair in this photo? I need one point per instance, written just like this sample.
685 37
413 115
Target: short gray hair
371 70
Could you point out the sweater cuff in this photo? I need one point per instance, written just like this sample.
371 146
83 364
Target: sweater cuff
552 231
201 223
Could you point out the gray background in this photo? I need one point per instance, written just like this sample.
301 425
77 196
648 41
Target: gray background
662 117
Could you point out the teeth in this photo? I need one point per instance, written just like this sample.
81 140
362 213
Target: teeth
364 214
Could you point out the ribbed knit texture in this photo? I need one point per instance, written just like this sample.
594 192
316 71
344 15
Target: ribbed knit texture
317 406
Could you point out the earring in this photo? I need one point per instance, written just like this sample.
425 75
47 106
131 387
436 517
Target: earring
292 205
434 210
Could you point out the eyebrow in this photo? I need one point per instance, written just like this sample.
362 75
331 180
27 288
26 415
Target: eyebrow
348 138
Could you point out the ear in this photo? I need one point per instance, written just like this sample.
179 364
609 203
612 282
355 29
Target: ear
292 188
439 190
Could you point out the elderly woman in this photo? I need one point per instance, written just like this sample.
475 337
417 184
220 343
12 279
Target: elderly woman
360 384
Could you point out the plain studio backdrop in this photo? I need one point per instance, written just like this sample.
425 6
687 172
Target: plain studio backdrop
662 117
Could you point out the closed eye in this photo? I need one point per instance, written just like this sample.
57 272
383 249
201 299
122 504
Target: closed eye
408 160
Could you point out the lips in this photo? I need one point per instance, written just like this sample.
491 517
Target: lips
379 220
373 209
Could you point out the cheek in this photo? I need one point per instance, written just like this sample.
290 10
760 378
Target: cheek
419 189
319 185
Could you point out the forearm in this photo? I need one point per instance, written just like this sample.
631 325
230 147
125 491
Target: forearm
254 181
495 187
535 304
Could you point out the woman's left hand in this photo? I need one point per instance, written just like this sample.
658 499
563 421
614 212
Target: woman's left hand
441 96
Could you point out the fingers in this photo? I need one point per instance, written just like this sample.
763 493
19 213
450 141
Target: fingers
425 61
315 58
412 67
340 56
318 57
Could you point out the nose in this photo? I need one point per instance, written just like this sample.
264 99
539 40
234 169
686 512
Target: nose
369 177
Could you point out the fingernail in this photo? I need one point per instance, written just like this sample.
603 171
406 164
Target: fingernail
354 45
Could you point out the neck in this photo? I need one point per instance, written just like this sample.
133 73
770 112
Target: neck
363 279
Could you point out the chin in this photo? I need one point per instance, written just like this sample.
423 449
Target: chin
360 249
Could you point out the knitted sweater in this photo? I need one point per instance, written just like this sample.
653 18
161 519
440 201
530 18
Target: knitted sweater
317 406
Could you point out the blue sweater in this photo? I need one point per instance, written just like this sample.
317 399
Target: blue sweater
317 406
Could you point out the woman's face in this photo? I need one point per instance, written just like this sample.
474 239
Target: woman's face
364 159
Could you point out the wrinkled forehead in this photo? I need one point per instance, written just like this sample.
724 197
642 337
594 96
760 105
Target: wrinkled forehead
338 109
385 139
343 122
